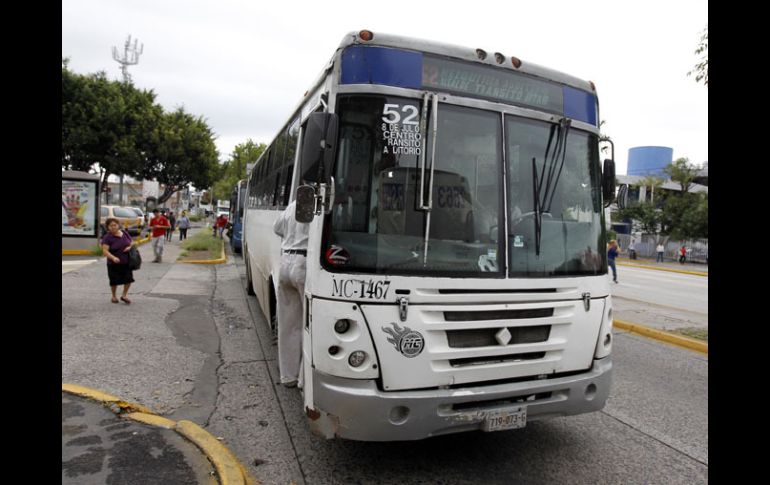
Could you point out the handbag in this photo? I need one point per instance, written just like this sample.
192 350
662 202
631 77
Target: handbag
134 259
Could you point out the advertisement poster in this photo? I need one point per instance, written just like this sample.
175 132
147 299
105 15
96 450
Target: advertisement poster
78 208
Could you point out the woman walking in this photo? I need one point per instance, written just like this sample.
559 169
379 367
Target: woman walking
115 246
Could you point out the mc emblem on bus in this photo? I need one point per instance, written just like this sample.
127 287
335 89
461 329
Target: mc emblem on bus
405 340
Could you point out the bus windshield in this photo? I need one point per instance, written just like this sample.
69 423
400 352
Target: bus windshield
377 226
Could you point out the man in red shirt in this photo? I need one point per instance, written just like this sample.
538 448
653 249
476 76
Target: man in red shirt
221 224
159 225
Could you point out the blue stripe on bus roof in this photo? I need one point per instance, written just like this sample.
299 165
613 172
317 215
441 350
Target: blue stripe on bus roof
580 105
380 65
394 67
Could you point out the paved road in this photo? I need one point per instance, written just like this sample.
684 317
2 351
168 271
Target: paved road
654 429
660 299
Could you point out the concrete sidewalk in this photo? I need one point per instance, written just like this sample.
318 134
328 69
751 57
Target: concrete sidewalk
159 351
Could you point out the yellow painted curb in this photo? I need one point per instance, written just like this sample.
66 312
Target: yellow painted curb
105 398
76 252
87 252
670 270
229 470
671 338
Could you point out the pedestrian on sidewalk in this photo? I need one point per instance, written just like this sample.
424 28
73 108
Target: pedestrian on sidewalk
159 225
659 249
612 253
291 291
184 225
220 225
682 254
632 249
116 244
172 222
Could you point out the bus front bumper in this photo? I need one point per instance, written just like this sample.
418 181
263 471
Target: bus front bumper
357 410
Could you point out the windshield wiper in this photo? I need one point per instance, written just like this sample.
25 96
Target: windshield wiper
543 196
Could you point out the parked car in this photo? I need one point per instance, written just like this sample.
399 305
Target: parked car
128 219
141 214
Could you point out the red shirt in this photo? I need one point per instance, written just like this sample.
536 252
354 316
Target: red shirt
221 221
159 221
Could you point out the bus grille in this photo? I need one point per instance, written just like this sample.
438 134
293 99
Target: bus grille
459 339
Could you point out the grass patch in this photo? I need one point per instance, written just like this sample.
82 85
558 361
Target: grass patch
694 332
201 246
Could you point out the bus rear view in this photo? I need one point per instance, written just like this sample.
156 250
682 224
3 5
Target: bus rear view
456 267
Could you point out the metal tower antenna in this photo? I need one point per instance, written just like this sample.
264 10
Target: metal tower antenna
130 57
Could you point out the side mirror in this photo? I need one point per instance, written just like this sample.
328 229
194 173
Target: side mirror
608 182
319 143
623 196
305 209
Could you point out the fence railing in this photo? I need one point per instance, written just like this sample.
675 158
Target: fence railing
646 244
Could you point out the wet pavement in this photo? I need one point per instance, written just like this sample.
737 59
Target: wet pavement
99 447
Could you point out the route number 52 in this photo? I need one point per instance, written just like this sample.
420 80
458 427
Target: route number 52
392 115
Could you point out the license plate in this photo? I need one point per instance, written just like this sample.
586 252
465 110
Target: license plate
501 419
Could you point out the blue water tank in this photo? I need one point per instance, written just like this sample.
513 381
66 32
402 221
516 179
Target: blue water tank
647 161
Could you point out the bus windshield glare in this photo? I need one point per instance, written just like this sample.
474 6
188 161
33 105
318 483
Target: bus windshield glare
377 226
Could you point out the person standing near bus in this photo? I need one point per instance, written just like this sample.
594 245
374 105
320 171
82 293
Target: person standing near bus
291 291
159 225
612 253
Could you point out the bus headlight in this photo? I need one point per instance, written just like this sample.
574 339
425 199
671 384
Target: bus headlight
357 358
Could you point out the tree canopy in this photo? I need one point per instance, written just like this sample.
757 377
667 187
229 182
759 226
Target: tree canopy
701 70
234 169
678 214
121 130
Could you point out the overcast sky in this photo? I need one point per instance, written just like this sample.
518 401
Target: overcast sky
244 65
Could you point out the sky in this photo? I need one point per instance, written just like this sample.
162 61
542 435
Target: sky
244 64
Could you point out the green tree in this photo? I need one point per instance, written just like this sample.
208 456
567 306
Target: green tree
652 183
685 214
644 214
182 152
682 172
105 124
234 169
702 67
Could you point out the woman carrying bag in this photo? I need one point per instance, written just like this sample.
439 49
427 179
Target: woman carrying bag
116 245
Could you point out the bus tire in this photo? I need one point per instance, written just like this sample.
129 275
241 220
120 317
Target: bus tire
249 281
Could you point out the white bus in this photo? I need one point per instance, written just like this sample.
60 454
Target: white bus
456 266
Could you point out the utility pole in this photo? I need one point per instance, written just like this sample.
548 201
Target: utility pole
130 58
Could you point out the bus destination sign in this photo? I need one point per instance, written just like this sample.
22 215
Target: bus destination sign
491 83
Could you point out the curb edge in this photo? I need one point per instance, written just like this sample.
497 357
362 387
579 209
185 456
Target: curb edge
680 341
230 471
